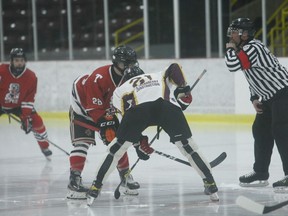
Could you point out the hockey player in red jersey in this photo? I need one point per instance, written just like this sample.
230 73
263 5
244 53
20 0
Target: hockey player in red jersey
18 86
90 111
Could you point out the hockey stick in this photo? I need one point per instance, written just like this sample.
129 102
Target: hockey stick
198 79
19 121
117 192
213 163
256 207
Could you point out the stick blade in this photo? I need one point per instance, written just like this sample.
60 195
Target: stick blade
117 193
250 205
218 160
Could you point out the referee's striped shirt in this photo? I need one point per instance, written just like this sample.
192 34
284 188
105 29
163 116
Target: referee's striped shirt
265 75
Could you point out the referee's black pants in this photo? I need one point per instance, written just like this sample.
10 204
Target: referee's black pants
270 126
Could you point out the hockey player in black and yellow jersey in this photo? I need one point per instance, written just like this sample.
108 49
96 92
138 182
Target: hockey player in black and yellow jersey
148 100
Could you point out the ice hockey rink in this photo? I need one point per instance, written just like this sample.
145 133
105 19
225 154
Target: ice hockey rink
32 186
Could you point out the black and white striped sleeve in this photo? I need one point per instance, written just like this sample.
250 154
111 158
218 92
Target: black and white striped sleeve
232 61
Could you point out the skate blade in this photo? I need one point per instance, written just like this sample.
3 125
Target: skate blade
90 200
214 197
74 195
281 190
48 158
128 192
262 183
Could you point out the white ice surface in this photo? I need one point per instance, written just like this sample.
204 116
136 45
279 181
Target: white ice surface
31 186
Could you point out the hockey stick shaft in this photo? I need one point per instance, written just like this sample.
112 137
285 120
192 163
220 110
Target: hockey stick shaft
198 79
19 121
213 163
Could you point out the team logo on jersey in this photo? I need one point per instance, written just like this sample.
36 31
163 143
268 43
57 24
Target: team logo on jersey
13 95
98 76
128 101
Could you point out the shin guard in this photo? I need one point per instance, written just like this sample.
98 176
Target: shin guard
116 150
190 150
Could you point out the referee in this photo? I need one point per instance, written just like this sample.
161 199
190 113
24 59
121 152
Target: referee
268 84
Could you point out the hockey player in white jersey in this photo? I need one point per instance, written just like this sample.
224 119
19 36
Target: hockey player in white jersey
148 100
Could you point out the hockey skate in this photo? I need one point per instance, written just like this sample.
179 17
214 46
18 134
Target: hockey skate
281 186
254 179
128 185
47 153
93 193
210 188
76 190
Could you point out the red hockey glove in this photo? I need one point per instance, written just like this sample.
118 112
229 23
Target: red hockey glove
26 124
143 149
183 96
108 126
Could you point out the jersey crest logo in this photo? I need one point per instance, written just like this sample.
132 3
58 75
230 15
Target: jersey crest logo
98 76
13 95
129 101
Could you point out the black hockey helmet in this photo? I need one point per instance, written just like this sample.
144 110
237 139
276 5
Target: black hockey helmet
132 72
241 25
124 55
17 53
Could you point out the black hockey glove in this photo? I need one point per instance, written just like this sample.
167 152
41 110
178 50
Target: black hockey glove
183 96
143 149
26 124
108 125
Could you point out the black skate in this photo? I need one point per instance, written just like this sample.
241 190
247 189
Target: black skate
254 179
47 153
93 193
76 190
281 186
128 185
210 188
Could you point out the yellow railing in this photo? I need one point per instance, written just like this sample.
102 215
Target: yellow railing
132 37
276 16
277 35
284 30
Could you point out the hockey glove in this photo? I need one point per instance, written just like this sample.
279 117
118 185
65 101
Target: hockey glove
143 149
26 124
183 96
108 126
